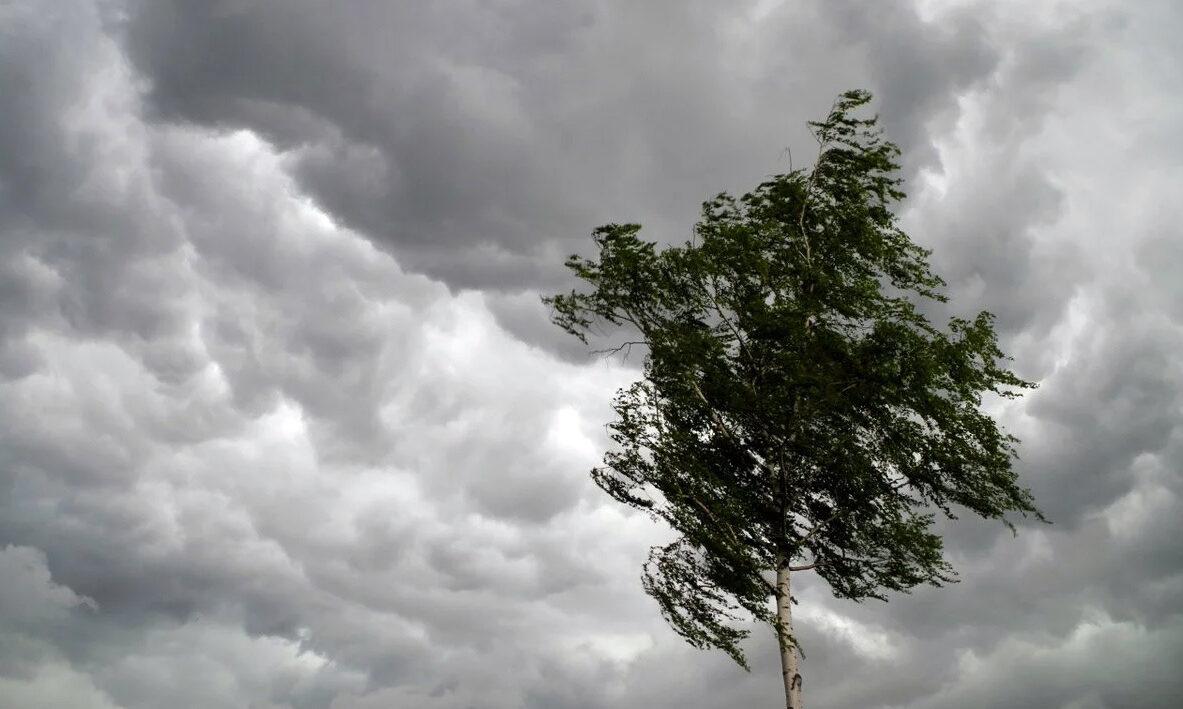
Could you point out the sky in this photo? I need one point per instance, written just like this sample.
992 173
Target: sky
283 422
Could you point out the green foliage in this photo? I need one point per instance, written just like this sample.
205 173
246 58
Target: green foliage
796 405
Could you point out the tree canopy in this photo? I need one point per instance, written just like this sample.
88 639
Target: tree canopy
797 410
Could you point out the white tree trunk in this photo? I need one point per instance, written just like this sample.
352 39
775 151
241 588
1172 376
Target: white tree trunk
789 660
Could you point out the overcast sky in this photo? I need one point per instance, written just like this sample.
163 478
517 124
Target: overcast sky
283 423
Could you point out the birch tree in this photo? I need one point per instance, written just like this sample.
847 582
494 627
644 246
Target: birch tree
798 412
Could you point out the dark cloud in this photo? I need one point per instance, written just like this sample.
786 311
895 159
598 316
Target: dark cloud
283 422
482 143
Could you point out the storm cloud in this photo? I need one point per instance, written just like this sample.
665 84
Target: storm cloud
283 422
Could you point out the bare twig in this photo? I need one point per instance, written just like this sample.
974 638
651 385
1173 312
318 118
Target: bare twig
627 347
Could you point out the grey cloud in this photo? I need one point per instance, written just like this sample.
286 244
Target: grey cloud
170 466
1031 674
246 456
526 318
482 145
265 336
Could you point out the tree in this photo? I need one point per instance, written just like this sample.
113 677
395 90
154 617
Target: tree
797 411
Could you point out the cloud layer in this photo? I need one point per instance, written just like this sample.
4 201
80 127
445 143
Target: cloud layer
282 423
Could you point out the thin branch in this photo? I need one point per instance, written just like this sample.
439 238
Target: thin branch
821 153
817 528
717 522
838 513
712 294
627 347
722 425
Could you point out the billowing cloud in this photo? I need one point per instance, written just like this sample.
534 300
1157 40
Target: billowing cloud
283 423
478 142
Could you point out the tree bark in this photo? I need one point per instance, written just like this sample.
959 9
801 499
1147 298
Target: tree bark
789 660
